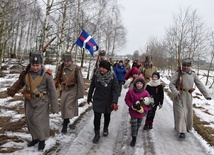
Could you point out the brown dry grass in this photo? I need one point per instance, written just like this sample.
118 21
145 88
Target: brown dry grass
202 128
6 139
207 133
20 125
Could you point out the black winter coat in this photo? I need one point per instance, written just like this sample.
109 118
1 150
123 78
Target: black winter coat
103 96
157 93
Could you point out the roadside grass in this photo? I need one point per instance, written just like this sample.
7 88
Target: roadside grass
202 127
20 125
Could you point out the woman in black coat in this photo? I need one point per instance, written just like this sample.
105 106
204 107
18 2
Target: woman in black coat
103 93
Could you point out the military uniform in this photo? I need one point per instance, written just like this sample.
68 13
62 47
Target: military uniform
147 72
37 108
39 91
72 89
148 69
182 107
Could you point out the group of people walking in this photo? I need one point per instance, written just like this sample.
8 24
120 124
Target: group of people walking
145 93
38 87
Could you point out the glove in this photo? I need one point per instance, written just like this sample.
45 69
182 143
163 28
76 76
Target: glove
160 106
88 101
136 106
208 98
141 110
178 96
115 106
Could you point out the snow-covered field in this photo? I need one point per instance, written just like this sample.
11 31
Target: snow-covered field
82 143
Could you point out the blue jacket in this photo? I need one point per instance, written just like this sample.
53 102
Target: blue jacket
120 72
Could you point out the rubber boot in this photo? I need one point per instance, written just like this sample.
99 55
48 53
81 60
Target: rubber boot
41 145
133 142
96 137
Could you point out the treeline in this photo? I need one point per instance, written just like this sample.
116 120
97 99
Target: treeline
27 25
187 32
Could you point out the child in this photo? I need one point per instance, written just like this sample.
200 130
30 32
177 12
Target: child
132 98
129 83
155 89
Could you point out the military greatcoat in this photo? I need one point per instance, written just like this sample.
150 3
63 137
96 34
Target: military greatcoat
147 72
70 95
182 108
37 109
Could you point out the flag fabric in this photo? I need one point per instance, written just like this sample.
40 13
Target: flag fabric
86 41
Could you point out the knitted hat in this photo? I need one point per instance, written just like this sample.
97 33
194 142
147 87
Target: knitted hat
105 64
36 57
135 71
139 79
157 74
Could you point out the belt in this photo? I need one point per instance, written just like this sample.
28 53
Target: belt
70 86
35 96
41 95
185 90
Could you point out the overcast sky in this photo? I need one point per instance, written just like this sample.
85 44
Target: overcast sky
145 19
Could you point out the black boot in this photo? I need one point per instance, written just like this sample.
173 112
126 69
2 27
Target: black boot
146 126
96 137
65 125
41 145
133 142
105 131
181 135
150 126
32 143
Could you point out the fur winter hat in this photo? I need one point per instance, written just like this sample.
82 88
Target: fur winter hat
36 57
67 57
105 64
148 58
186 62
157 74
102 53
135 71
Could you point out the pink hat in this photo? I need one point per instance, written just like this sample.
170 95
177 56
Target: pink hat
135 71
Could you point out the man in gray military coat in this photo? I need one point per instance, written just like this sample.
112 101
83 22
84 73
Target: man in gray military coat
72 88
37 86
182 101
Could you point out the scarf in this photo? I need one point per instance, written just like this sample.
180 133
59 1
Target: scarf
104 79
138 90
154 83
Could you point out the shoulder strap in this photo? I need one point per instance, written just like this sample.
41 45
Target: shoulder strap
33 84
70 78
49 71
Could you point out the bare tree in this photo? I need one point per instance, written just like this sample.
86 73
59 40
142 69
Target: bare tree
188 33
211 49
